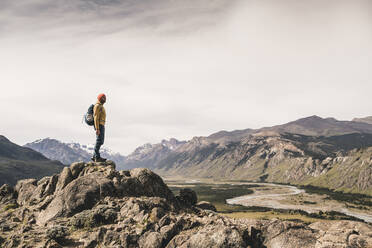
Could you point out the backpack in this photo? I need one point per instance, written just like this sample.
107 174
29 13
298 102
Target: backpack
88 117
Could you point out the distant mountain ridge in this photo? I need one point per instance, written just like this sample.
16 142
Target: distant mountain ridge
68 153
313 150
17 162
342 162
143 156
149 155
318 151
310 126
367 120
317 126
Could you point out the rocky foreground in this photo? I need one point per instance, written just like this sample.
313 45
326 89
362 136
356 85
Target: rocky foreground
93 205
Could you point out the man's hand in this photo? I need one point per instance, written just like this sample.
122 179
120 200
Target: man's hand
98 132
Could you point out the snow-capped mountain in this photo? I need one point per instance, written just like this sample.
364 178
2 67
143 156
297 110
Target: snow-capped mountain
144 156
90 149
68 153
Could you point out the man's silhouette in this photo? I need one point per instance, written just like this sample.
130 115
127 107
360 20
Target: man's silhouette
99 126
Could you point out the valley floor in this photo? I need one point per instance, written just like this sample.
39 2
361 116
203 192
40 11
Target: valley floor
266 201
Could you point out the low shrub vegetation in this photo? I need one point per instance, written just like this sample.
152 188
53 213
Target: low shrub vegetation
10 206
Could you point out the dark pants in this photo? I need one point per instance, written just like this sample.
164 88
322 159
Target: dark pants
99 141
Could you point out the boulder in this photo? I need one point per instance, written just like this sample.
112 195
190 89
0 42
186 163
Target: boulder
81 194
187 197
150 240
99 215
289 234
151 184
25 189
212 236
51 186
45 188
76 168
57 233
349 233
7 194
64 179
206 206
157 213
111 239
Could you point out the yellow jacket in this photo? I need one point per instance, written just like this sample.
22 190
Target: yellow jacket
99 115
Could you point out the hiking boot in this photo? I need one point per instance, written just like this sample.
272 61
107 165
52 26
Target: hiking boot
101 160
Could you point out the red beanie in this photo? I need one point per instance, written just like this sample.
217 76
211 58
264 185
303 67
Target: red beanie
100 96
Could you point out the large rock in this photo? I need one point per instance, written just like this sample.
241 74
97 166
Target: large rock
138 207
25 189
206 206
64 179
93 183
82 193
51 186
347 233
211 236
99 215
289 234
151 184
187 197
150 240
76 168
7 194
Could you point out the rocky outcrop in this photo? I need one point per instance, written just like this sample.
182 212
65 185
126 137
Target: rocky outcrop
94 205
7 195
73 195
187 197
206 206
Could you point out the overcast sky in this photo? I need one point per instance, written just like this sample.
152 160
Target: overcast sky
179 68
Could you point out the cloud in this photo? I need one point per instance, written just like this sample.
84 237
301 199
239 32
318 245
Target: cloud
91 17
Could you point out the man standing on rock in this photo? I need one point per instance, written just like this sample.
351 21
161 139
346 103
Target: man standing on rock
99 126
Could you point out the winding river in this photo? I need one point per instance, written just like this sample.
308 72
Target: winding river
271 200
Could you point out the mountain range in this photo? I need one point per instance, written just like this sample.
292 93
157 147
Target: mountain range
17 162
146 155
367 120
68 153
318 151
